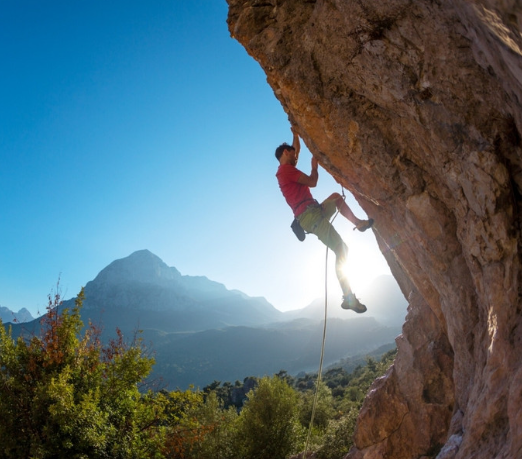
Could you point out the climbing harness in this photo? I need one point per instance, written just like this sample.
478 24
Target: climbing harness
319 372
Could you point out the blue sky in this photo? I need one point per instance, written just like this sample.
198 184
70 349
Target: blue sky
129 125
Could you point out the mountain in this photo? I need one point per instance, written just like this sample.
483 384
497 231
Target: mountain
199 331
142 291
23 315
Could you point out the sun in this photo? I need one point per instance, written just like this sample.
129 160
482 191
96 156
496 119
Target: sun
365 262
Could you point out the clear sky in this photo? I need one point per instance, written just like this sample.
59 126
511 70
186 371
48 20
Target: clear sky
128 125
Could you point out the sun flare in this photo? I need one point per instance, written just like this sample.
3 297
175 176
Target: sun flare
363 265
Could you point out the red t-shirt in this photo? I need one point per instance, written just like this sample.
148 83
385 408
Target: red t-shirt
297 196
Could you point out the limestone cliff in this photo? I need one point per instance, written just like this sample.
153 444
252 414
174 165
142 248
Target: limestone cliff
415 107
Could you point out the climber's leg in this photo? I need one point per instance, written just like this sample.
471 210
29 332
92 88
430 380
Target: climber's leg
346 212
328 235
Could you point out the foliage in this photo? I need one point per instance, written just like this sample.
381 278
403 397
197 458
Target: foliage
221 433
339 399
337 440
232 396
66 395
199 428
269 424
324 408
273 421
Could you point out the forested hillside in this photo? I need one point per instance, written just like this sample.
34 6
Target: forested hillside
67 394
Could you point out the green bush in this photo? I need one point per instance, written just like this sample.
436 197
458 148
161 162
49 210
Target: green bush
269 425
64 395
339 437
324 407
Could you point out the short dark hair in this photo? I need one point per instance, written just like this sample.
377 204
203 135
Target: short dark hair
281 148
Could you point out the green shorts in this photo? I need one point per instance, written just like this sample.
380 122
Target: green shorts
316 219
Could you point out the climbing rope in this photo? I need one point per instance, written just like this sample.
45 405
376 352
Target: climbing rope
319 372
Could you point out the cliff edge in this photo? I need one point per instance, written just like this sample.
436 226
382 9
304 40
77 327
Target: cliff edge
415 107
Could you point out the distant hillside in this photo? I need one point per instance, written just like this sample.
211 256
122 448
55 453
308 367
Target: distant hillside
23 315
199 331
237 352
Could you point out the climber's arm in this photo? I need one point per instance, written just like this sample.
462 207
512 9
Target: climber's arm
296 143
310 180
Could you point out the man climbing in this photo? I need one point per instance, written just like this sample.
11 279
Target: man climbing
314 217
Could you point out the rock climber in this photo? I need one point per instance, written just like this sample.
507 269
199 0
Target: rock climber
314 217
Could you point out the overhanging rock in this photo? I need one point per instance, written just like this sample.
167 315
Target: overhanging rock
415 107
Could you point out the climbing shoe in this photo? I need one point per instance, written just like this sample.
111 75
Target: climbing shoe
351 302
364 225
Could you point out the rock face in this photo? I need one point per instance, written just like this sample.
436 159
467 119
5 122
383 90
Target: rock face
415 107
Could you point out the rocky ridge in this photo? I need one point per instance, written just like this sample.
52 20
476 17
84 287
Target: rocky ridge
415 107
142 285
23 315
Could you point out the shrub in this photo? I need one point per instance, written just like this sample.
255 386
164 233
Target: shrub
269 425
67 395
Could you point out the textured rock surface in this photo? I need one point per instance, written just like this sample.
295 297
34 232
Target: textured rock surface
415 107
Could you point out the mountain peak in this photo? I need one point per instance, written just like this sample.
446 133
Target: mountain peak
139 266
23 315
143 253
143 282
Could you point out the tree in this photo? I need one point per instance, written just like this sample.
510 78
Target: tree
220 425
324 410
269 424
339 436
65 395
